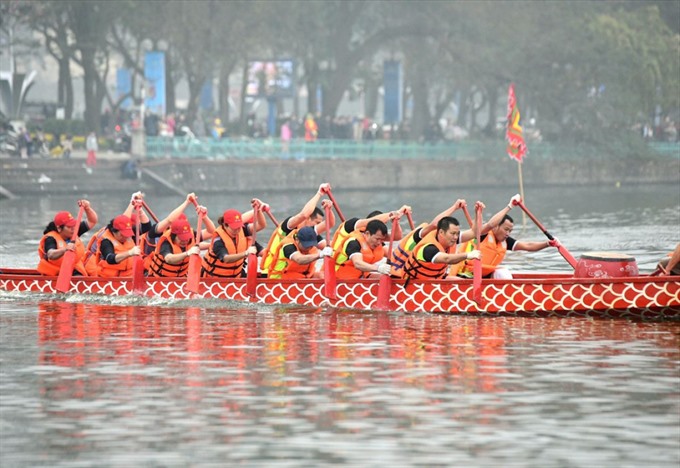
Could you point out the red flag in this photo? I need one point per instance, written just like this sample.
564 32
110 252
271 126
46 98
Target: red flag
516 148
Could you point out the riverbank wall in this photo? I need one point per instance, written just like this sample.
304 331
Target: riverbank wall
56 177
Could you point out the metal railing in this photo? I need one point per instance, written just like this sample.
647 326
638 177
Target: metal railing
209 148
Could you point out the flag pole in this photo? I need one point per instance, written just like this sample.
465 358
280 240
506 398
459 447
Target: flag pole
521 193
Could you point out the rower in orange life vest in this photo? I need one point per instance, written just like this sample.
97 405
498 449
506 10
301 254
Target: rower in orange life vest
495 241
56 241
310 215
408 242
431 257
116 249
171 257
229 247
297 254
362 252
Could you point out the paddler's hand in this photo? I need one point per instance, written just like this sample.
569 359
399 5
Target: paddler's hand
327 204
554 242
201 210
474 255
326 252
192 198
134 251
324 188
384 269
136 196
194 250
252 250
514 201
460 203
84 203
405 209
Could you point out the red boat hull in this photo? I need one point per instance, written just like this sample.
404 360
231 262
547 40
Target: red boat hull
526 294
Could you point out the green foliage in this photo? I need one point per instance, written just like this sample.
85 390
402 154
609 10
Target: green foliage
65 127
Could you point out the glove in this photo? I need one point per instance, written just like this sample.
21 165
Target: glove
324 188
195 250
554 242
474 255
384 269
134 251
326 252
514 201
135 196
251 250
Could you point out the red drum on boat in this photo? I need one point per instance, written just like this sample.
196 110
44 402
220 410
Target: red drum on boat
606 265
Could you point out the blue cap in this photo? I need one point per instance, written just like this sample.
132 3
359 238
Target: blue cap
307 237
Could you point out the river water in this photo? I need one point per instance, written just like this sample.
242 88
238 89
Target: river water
100 381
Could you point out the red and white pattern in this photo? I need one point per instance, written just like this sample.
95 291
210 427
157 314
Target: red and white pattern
537 295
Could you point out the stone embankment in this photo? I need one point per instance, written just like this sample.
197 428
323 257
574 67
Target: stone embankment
45 177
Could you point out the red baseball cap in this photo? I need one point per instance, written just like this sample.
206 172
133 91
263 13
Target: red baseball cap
64 218
232 218
123 224
182 229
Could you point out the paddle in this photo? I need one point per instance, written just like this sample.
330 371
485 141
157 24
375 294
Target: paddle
385 285
329 281
194 272
148 210
477 264
562 249
251 277
69 258
335 204
410 220
138 261
268 210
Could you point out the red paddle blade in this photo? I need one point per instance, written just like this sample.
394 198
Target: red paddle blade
194 273
567 256
66 272
251 278
384 290
329 281
138 275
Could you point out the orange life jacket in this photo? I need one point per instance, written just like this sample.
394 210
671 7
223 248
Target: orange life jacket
213 266
416 266
90 260
157 264
286 268
51 267
344 266
401 252
108 270
493 253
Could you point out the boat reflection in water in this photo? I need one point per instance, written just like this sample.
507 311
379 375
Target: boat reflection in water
256 384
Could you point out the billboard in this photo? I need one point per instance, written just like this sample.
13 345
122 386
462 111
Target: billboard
154 74
393 83
274 78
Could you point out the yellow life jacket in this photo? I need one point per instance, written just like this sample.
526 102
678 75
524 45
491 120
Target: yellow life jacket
285 268
274 240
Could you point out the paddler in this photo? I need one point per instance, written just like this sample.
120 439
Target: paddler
670 266
56 241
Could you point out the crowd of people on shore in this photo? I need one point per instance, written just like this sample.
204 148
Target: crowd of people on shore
360 246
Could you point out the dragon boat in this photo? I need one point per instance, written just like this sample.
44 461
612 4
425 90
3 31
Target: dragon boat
527 294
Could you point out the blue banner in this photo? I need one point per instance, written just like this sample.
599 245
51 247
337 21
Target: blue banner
393 85
206 100
124 87
154 74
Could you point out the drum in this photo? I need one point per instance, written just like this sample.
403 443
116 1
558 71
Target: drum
606 265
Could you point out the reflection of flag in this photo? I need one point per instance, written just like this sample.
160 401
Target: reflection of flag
516 148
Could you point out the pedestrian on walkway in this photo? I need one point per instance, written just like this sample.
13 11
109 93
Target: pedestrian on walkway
92 147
